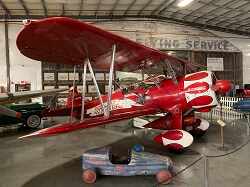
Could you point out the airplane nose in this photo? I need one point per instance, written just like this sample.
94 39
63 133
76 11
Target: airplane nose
223 86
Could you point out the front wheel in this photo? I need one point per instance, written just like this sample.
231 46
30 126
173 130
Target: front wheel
33 121
89 176
197 132
163 176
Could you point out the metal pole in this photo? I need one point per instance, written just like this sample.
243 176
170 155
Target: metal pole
111 79
7 55
248 123
73 94
84 87
184 69
211 115
221 128
97 88
222 137
206 171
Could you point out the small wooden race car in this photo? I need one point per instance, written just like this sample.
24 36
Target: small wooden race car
101 161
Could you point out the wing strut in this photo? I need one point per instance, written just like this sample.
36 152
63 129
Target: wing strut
73 94
171 71
97 88
106 111
153 78
111 79
84 86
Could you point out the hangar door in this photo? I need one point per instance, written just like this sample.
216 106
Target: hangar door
232 65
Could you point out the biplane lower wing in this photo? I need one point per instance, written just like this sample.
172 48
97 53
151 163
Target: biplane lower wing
70 41
87 123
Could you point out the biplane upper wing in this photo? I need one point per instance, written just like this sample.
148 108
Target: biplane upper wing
70 41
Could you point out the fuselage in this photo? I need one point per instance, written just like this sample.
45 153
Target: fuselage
193 90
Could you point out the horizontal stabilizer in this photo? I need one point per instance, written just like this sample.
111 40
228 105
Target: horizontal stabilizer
9 112
7 98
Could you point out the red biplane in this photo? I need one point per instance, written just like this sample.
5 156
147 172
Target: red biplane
179 94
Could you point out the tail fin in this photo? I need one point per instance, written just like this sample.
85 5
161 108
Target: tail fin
77 97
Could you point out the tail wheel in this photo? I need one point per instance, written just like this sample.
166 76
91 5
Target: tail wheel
163 176
89 176
33 121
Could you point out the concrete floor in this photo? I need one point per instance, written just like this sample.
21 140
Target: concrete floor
56 161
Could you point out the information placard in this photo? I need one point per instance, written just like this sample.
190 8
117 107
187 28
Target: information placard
215 64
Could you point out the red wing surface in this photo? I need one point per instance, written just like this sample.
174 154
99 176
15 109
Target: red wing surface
68 127
70 41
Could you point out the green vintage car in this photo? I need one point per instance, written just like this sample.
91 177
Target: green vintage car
31 114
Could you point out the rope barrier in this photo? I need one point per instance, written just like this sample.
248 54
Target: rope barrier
202 156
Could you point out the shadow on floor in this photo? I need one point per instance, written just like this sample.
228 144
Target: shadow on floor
69 173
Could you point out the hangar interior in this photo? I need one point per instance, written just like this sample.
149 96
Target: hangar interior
213 36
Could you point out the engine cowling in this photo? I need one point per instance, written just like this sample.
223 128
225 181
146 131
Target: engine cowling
166 122
175 139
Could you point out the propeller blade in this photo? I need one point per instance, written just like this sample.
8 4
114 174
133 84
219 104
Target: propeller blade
9 112
215 88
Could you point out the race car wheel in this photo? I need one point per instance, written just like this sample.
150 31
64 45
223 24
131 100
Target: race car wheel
89 176
163 176
33 121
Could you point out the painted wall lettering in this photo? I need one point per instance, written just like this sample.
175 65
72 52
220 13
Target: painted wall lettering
183 43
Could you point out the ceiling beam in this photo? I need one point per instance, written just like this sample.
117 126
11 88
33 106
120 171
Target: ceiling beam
166 2
180 9
166 8
241 25
98 6
143 8
235 17
112 10
63 9
226 13
203 7
81 5
206 14
4 7
245 25
24 7
225 7
156 17
126 11
44 8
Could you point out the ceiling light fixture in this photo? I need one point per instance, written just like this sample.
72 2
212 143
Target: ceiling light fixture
184 3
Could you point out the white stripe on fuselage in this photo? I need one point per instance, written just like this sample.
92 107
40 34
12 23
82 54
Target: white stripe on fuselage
115 105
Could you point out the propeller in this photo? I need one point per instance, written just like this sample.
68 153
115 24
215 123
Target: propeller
9 112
